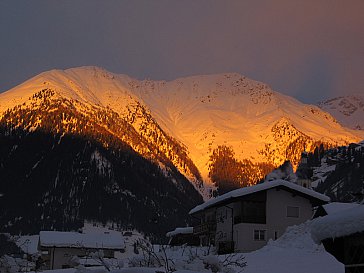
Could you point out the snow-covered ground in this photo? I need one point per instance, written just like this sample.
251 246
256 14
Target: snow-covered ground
294 252
340 224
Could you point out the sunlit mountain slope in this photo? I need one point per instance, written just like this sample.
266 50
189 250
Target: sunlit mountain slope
194 115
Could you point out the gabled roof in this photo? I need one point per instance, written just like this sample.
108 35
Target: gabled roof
338 224
113 240
257 188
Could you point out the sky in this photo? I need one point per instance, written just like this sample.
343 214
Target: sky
310 49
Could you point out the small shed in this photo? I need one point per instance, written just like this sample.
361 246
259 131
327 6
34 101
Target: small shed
342 235
58 249
183 235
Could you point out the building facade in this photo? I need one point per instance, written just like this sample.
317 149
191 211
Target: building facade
59 249
245 219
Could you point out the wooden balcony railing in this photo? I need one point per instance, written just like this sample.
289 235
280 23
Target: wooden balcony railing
205 228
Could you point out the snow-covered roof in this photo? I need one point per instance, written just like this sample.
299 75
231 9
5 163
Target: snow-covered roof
339 224
184 230
336 207
257 188
112 240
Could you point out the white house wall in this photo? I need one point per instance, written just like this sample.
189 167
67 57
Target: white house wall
62 256
277 202
244 237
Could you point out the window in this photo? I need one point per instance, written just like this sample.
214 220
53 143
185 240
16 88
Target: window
259 235
293 212
253 212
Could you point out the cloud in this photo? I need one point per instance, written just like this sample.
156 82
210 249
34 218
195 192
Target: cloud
295 46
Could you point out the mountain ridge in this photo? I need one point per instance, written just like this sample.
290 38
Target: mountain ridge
57 181
200 112
83 141
349 110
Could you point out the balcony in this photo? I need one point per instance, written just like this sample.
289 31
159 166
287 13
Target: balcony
205 228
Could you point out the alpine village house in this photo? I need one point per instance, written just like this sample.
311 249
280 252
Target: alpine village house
59 248
243 220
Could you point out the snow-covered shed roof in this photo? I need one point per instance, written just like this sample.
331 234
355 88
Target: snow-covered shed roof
112 240
336 207
338 224
257 188
184 230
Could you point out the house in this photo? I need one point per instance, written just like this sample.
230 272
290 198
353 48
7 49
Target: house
59 248
342 234
183 236
245 219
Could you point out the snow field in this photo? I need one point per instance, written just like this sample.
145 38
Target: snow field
294 252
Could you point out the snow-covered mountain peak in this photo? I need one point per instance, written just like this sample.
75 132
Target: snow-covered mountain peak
205 87
89 85
348 110
201 112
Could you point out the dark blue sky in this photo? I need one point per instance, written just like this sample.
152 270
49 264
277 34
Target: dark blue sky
310 49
